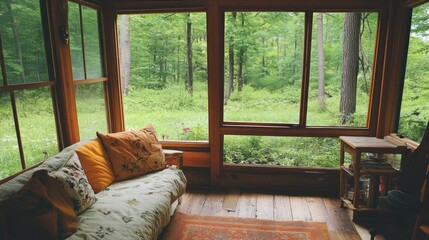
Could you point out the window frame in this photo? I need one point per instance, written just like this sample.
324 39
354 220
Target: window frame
215 11
12 88
104 80
407 12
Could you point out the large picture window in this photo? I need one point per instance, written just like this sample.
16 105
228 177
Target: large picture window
414 111
276 78
88 69
28 130
164 73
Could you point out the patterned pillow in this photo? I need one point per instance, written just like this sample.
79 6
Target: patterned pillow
133 153
75 182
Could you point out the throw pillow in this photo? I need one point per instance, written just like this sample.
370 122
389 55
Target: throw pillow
76 184
133 153
41 209
96 165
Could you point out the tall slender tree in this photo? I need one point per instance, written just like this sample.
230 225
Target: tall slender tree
230 83
321 62
240 80
350 66
190 80
125 59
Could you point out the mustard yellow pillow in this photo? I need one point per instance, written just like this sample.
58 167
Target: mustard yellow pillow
96 165
133 153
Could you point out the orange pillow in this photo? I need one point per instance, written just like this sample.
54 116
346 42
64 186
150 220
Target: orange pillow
40 210
96 165
133 153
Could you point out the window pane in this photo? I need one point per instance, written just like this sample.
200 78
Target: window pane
91 109
92 43
167 69
23 42
282 151
9 155
37 124
263 66
340 71
76 41
414 112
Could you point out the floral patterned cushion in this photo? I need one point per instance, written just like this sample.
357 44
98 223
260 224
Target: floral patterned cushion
75 182
133 153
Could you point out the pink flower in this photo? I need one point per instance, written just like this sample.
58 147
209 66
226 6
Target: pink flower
186 130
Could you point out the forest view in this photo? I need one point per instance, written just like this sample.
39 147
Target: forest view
164 78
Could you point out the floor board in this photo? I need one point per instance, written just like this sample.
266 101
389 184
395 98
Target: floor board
274 207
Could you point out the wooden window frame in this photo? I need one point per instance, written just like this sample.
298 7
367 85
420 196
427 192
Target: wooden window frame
400 63
215 10
6 87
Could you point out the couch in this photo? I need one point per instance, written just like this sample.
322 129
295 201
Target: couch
55 200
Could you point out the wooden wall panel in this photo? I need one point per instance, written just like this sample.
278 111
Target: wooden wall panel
287 182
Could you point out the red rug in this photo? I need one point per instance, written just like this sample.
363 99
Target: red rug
193 227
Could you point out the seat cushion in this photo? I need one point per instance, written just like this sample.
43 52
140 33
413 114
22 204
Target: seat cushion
137 208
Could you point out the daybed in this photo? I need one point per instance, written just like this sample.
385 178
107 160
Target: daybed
54 200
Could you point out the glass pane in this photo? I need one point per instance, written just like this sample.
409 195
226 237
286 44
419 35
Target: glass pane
91 109
92 43
340 70
37 124
263 66
76 50
23 42
414 112
10 161
165 73
282 151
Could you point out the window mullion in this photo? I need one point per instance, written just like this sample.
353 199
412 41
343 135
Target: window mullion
17 129
306 68
83 43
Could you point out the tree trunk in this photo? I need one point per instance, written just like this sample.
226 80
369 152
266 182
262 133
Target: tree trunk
190 82
240 81
178 63
125 59
350 66
230 83
16 37
321 62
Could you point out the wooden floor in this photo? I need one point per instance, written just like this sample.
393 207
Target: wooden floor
273 207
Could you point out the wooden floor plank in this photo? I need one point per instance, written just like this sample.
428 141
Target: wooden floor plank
213 204
282 208
247 205
300 210
317 209
265 206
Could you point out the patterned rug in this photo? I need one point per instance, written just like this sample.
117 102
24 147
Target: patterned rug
193 227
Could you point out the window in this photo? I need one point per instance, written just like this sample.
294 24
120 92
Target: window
27 122
414 111
164 73
88 69
338 94
263 66
282 151
267 86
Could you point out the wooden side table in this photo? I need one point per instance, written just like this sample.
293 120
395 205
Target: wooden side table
173 157
355 146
